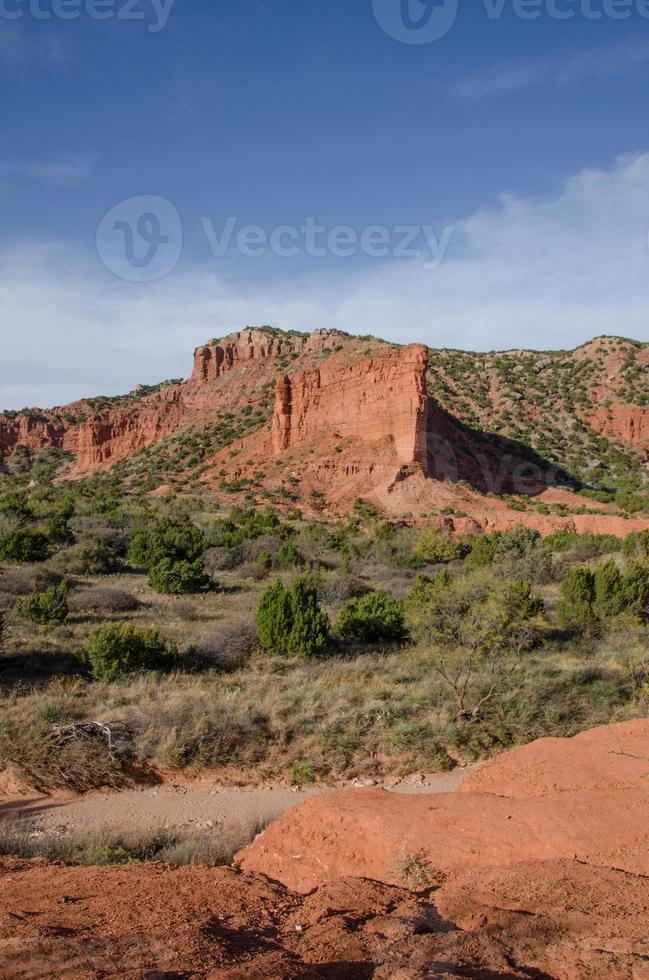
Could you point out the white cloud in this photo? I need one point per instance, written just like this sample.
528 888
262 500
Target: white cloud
525 273
61 173
599 64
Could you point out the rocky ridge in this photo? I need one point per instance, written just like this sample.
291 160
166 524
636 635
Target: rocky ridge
418 434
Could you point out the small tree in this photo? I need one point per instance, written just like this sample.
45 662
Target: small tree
474 628
433 546
482 549
47 607
290 621
23 545
176 577
609 598
169 537
577 598
635 588
288 557
372 618
117 649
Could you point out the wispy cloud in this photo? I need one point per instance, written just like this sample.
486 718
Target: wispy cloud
530 273
61 173
593 63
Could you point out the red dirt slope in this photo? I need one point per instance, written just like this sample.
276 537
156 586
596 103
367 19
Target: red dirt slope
601 787
514 904
545 920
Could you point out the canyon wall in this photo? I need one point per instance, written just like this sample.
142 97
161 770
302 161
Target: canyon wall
99 438
368 399
217 358
213 360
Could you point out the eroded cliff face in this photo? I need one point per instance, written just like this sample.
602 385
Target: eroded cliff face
225 374
628 424
352 418
102 438
216 359
369 399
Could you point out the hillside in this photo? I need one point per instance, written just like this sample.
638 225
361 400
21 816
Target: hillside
549 439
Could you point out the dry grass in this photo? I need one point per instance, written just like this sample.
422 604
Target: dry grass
383 711
24 839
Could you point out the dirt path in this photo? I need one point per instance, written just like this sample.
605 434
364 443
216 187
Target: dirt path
184 807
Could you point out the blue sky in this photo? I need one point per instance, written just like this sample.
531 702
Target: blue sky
521 144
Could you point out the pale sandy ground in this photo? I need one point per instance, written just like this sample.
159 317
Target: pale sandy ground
168 807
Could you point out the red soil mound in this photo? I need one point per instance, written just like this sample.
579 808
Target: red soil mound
612 757
543 920
511 900
600 786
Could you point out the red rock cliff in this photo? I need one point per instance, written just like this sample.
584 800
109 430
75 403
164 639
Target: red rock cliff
213 360
100 438
383 395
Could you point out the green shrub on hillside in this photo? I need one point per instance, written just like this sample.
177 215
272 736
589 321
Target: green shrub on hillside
609 599
23 545
177 577
117 649
577 598
433 546
487 549
288 557
90 556
372 618
635 587
637 545
290 620
47 607
169 537
482 549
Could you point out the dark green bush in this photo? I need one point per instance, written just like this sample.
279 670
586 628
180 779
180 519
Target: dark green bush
50 606
482 549
288 557
635 587
609 597
23 545
637 545
290 621
170 576
90 556
265 562
577 598
372 618
117 649
170 537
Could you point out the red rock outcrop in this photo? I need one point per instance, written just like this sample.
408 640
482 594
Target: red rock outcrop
513 877
628 424
370 399
213 360
353 419
367 833
226 373
217 358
